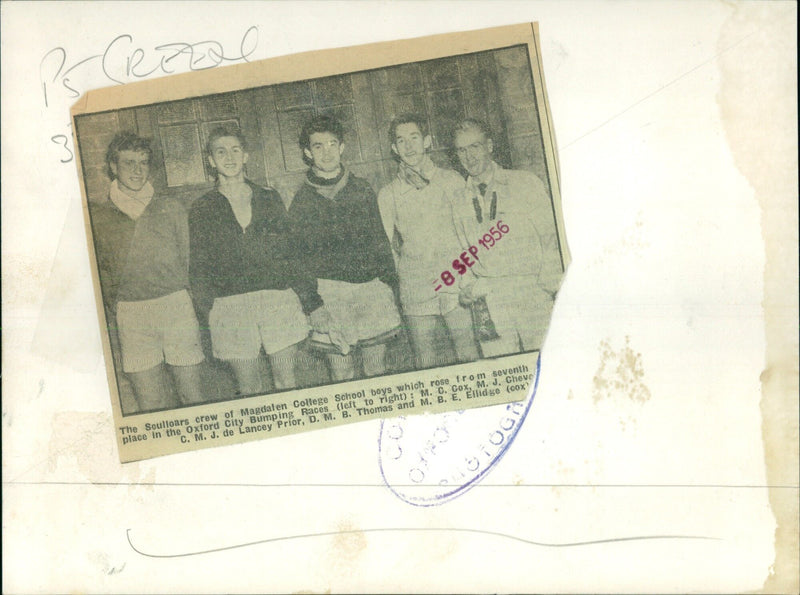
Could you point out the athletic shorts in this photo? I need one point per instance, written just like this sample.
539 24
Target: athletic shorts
418 293
362 311
241 324
160 330
520 310
439 305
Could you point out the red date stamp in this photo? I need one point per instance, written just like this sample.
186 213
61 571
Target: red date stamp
464 261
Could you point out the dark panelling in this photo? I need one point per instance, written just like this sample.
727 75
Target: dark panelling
176 111
293 95
331 91
182 154
289 126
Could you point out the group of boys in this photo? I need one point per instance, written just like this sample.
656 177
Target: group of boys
332 267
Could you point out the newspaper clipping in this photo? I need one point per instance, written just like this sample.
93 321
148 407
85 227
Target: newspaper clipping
323 238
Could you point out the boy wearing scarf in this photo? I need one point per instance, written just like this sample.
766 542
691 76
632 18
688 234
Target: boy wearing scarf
142 243
416 206
338 230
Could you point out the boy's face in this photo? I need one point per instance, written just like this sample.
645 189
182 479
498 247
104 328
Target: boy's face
474 151
325 152
227 156
132 169
410 145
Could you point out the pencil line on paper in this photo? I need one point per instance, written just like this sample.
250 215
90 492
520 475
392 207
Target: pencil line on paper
88 435
381 485
657 91
479 532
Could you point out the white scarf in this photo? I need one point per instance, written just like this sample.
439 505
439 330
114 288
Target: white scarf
133 205
418 178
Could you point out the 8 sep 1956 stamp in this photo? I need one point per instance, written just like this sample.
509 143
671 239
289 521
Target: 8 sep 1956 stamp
264 237
463 263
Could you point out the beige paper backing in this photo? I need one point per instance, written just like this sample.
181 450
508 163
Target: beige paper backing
779 389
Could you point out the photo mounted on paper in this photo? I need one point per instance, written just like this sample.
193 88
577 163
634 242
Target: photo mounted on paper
322 238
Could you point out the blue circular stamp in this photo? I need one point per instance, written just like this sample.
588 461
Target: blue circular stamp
427 460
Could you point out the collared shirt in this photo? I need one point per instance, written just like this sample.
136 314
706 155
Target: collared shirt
423 219
228 260
530 246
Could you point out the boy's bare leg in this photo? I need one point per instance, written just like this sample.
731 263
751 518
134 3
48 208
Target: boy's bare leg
459 323
283 363
189 382
248 376
373 359
423 338
150 390
342 367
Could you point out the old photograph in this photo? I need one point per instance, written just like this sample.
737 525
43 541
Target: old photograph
313 236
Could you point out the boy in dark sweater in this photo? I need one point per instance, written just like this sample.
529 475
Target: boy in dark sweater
142 243
246 281
338 231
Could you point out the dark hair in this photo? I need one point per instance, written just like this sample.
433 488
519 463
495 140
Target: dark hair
472 124
320 124
223 131
407 119
125 141
315 125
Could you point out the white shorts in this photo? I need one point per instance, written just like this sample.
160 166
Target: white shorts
438 305
520 310
418 295
241 324
362 311
158 330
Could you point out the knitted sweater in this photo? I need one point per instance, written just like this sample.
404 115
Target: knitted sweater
226 260
141 259
338 230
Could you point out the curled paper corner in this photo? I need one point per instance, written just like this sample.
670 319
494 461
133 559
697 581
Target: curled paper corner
81 106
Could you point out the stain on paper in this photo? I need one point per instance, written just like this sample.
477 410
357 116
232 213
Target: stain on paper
620 372
758 106
73 441
100 560
632 241
350 542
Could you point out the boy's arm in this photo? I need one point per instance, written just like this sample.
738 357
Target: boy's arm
200 264
180 223
381 245
533 191
297 222
388 215
106 264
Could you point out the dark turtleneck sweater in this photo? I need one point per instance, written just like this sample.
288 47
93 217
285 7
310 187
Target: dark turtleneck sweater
338 229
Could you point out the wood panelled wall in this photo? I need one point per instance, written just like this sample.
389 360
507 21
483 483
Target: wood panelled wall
495 86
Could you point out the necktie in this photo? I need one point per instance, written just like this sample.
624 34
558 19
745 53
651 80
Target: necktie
477 205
